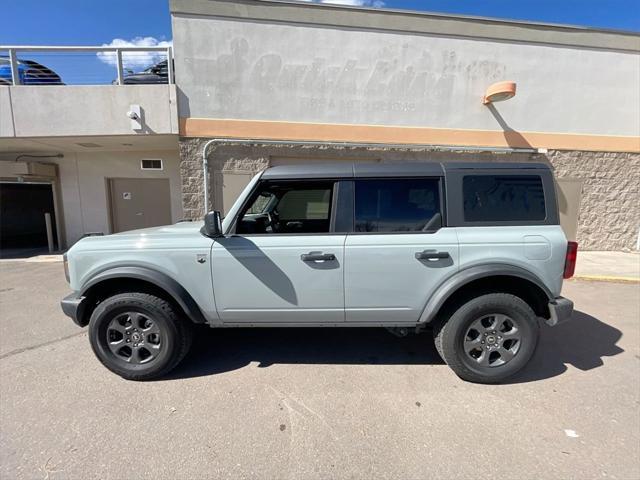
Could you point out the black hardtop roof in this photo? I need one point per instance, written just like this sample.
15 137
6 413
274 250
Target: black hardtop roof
315 169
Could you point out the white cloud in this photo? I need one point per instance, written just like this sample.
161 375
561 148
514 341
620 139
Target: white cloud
353 3
135 60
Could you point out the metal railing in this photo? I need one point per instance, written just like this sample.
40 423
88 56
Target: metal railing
46 65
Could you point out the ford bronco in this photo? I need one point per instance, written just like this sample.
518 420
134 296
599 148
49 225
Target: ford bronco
471 251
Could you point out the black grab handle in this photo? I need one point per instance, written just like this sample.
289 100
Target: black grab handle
315 257
431 255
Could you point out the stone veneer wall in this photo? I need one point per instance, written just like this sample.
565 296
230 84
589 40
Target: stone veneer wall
609 216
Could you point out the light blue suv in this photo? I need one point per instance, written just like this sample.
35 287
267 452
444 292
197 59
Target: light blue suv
473 252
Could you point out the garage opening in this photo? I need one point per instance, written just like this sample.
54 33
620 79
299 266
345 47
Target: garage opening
23 228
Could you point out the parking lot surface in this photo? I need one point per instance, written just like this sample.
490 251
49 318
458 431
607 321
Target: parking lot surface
310 403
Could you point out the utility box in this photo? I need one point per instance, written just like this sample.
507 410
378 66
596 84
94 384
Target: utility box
24 169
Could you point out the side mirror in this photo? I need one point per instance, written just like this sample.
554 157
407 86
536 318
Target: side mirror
213 224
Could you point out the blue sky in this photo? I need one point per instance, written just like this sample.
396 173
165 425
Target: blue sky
90 22
98 22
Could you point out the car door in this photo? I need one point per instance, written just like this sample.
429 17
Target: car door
284 263
399 252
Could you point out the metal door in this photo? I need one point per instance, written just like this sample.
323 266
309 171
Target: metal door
139 203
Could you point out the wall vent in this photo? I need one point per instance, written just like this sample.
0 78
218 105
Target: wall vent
151 164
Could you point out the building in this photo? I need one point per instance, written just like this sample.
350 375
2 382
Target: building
410 85
266 82
73 151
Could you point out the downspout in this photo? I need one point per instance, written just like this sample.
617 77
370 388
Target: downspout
246 141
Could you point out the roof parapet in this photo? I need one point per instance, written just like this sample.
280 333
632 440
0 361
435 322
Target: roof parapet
283 11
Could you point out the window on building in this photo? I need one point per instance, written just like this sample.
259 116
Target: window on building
396 205
503 198
288 207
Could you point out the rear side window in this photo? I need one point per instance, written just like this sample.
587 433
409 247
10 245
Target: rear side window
395 205
503 198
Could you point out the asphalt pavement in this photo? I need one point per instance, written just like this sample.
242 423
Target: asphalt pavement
316 403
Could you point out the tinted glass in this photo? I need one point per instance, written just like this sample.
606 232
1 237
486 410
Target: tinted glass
503 198
398 205
311 204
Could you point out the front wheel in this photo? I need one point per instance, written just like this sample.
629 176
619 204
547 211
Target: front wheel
489 338
138 336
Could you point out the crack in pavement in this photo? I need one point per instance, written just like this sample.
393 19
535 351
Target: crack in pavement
39 345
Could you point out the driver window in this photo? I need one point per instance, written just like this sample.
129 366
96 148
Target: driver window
288 207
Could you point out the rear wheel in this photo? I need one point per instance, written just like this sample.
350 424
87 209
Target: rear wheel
489 338
138 336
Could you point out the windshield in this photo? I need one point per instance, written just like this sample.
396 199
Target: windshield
261 203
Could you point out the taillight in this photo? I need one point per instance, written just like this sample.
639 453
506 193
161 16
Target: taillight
570 260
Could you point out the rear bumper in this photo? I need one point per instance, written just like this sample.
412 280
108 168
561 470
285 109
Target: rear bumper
73 306
560 310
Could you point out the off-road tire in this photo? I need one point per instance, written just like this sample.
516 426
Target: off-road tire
450 333
176 334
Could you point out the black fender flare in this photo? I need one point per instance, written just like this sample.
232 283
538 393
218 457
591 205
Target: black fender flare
468 275
158 279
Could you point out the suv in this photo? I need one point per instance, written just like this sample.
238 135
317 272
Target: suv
472 251
29 73
158 73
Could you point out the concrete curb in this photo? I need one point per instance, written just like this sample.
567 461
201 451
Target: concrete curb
606 278
37 259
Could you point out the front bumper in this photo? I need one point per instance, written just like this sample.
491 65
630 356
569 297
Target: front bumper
73 306
560 310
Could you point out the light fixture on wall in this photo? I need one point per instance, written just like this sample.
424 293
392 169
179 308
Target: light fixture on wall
499 91
135 115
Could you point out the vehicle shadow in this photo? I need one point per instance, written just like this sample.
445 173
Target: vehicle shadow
222 350
582 342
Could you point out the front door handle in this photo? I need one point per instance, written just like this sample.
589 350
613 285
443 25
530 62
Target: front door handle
317 257
431 255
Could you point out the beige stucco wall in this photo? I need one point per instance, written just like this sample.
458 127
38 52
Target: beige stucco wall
241 68
83 184
6 114
72 110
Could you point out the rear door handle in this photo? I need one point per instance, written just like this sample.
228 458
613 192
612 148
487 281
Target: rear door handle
431 255
317 257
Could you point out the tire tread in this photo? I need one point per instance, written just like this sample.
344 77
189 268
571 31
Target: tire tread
449 321
184 337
